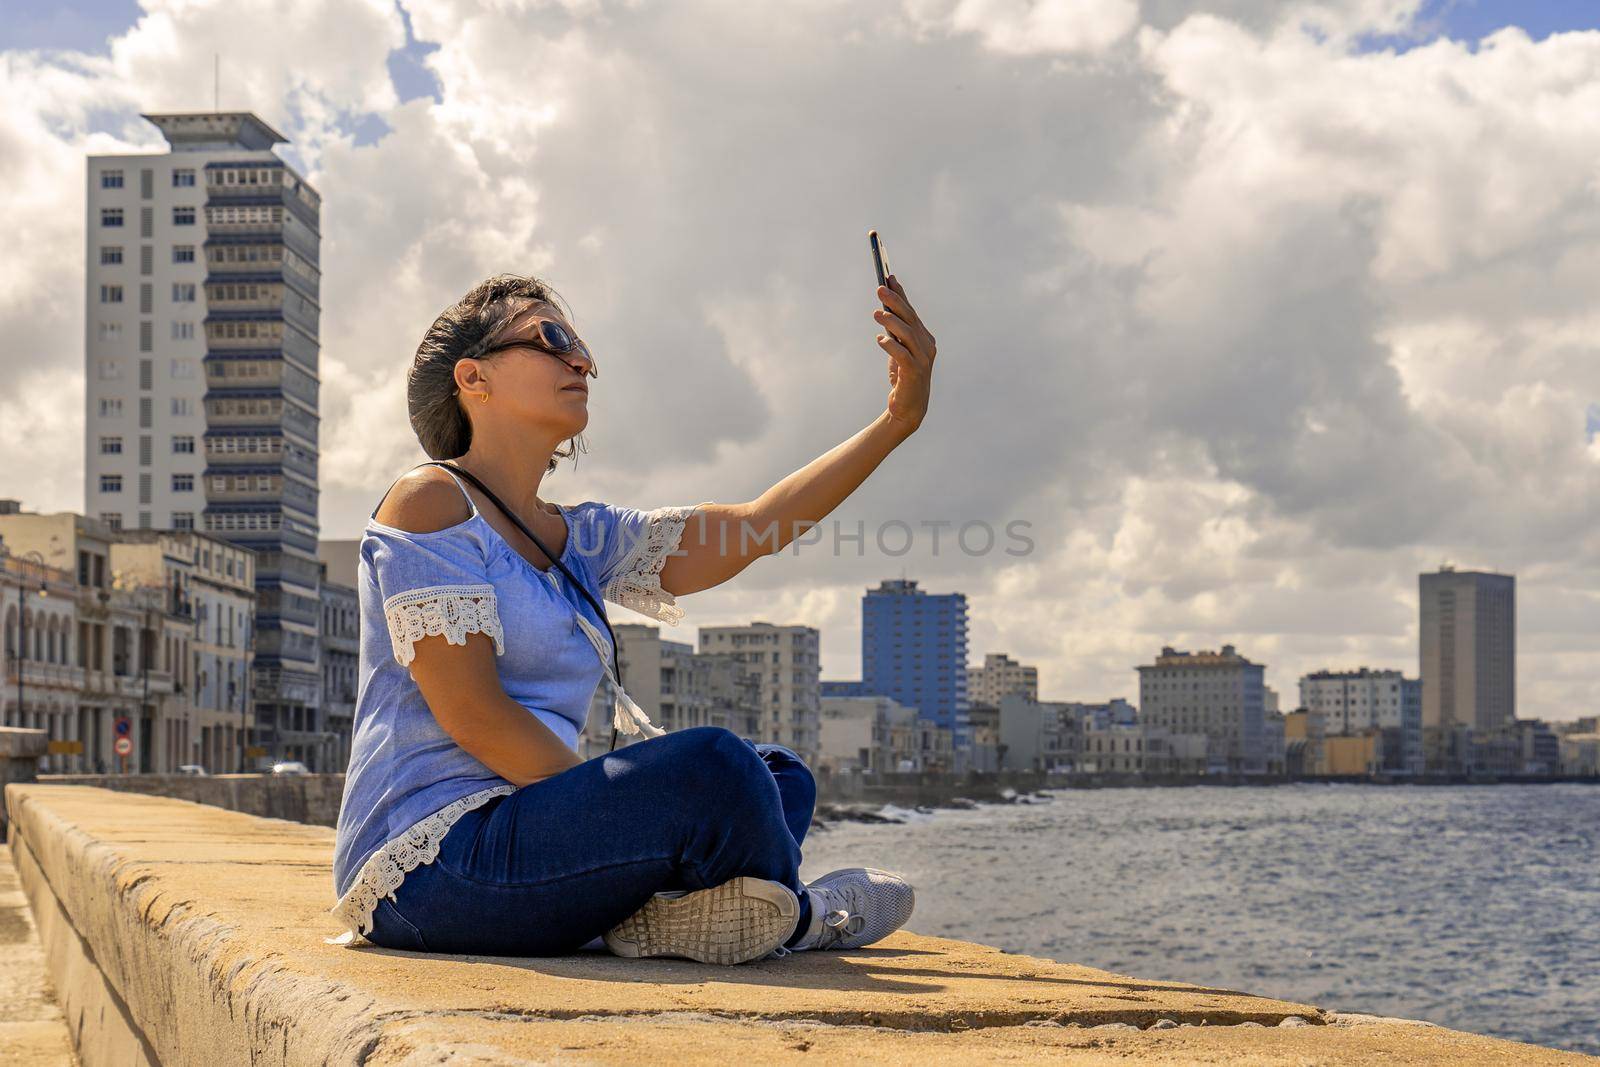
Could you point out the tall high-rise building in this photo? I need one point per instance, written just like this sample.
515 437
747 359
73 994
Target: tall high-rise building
1468 649
914 649
1216 694
201 354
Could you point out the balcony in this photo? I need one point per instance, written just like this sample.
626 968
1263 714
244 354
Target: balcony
40 675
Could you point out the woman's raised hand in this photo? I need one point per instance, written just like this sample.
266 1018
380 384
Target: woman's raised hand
911 350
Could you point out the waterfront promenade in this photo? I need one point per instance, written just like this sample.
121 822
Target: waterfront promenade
183 933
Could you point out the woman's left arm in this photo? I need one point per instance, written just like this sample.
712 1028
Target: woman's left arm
720 540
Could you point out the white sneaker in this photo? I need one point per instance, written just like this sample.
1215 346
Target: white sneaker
854 907
742 919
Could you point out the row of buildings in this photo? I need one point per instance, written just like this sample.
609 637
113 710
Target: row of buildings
138 650
1212 713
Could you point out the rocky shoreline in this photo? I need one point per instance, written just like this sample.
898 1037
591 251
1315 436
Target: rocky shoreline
827 814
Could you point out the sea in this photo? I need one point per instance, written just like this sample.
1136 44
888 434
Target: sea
1475 907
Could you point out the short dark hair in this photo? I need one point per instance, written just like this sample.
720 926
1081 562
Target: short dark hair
437 413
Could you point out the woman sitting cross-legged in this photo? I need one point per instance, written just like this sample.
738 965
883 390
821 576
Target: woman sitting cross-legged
469 823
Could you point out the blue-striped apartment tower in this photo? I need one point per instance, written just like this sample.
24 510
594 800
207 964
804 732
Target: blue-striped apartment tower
262 293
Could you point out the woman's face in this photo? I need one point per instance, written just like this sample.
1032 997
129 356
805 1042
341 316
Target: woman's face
528 386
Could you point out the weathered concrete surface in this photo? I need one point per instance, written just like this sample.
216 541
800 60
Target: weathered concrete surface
32 1032
312 798
207 927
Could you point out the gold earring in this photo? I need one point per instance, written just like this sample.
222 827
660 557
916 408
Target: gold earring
484 397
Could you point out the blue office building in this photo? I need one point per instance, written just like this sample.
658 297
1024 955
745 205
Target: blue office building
914 649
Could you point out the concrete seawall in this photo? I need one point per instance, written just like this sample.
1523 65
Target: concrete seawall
185 934
309 798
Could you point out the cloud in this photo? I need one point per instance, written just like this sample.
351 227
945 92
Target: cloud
1249 324
1030 27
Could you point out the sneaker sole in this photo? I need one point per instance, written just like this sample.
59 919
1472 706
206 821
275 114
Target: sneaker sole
735 922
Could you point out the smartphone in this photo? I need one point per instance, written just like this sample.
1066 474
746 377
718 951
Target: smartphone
880 256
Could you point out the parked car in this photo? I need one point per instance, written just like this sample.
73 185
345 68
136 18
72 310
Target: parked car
193 770
290 766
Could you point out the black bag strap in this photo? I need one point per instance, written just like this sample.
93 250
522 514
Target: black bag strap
616 664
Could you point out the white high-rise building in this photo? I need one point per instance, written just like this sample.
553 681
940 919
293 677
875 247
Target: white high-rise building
201 354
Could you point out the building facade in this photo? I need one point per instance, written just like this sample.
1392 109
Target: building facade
340 658
1218 694
914 649
999 675
1353 703
201 356
1039 735
86 644
877 734
44 677
1468 649
786 662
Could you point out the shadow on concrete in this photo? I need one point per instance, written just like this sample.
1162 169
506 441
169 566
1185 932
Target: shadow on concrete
849 971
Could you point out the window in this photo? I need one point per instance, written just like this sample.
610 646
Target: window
111 446
111 179
183 483
182 368
111 483
182 177
183 443
110 255
181 331
111 294
111 216
183 253
111 407
183 216
112 519
183 292
183 520
110 331
182 405
110 370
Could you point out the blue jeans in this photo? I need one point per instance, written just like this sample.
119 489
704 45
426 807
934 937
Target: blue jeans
547 869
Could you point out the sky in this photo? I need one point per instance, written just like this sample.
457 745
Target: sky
1252 310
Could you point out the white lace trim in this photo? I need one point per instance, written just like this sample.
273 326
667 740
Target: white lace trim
453 611
637 582
386 868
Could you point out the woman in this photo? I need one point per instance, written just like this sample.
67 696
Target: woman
469 823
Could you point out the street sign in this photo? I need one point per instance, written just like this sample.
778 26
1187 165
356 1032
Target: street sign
66 748
123 747
122 726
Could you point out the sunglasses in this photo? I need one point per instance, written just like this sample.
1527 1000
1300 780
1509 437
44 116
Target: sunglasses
553 338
